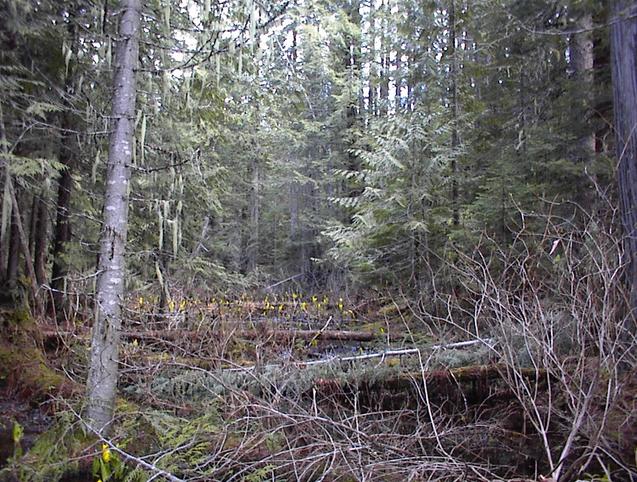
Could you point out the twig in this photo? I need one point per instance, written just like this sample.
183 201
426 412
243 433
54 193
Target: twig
126 455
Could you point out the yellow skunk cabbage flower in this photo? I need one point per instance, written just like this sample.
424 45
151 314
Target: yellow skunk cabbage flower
294 296
304 306
393 362
171 305
18 431
340 304
314 299
106 453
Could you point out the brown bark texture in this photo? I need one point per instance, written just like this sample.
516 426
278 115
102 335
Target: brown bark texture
623 33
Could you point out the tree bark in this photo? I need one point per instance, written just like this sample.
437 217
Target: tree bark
372 107
40 240
384 60
254 200
3 243
201 245
33 221
62 233
61 238
455 141
13 253
23 242
623 40
581 50
103 371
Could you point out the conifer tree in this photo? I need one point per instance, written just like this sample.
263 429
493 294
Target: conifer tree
104 369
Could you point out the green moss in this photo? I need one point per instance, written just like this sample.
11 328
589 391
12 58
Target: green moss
25 370
18 327
21 318
63 452
123 406
54 454
392 309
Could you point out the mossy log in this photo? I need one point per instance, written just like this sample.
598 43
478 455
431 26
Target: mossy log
471 383
192 335
24 371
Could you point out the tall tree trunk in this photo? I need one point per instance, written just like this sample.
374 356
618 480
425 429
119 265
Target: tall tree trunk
41 240
13 253
23 242
33 221
61 237
602 104
455 141
294 210
350 135
62 232
623 39
384 61
5 222
581 50
409 79
372 79
254 199
103 371
5 212
398 79
206 225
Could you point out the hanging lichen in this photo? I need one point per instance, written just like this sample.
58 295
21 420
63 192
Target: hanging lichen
218 69
109 53
175 232
134 153
240 61
67 51
253 23
206 10
186 88
142 139
160 224
167 15
177 226
6 206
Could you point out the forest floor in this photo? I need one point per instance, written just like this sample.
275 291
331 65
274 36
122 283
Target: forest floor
284 388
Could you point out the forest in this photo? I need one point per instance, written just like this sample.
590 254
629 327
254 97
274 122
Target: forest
318 240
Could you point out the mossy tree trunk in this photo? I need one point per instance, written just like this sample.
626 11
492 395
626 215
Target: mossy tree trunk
41 236
103 370
623 37
13 253
68 153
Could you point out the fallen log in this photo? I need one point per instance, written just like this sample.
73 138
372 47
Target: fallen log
471 384
383 355
267 333
308 335
139 357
